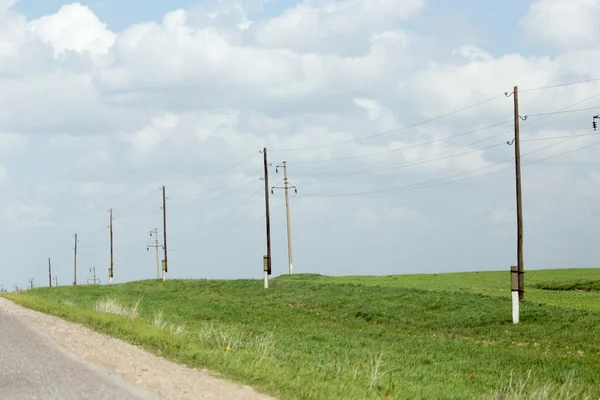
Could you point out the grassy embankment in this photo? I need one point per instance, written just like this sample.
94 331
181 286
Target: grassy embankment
313 337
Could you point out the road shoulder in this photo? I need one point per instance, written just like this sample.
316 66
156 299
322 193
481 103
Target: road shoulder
147 371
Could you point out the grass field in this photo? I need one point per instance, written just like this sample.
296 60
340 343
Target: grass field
445 336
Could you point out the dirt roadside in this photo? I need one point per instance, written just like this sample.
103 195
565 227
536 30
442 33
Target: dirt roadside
169 380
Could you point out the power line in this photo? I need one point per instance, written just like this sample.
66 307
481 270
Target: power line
565 152
222 186
566 111
560 85
390 131
560 137
430 119
543 115
221 171
230 211
426 160
218 195
405 147
419 184
228 231
562 110
398 166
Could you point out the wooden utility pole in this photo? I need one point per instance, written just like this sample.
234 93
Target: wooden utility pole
267 259
31 283
49 273
75 263
520 265
164 207
111 270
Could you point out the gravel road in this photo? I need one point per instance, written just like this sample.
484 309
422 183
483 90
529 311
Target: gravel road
47 358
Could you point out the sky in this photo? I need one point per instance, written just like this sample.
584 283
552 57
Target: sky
392 116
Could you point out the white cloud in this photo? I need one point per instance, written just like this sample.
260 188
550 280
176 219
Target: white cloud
569 24
74 27
96 119
372 106
29 215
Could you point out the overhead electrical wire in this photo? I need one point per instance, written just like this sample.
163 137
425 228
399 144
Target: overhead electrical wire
420 161
430 119
375 169
566 111
217 196
229 211
390 131
418 184
559 85
227 231
403 147
219 172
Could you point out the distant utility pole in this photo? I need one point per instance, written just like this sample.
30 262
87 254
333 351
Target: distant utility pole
56 280
111 270
31 283
156 245
164 208
93 270
286 187
517 143
75 263
594 123
267 258
49 273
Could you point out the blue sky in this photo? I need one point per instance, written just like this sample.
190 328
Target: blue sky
494 26
120 14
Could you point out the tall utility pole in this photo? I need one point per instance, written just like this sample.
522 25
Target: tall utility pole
286 187
56 280
517 143
49 273
75 263
164 207
110 271
31 283
156 245
267 259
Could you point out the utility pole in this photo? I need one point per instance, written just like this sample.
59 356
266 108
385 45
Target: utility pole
49 273
164 207
56 280
75 263
110 271
267 258
93 270
286 187
517 143
31 283
156 245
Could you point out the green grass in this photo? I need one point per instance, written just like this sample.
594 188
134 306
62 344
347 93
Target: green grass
313 337
585 285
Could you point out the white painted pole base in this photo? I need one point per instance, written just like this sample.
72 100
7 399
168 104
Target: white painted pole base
291 269
164 275
109 280
515 306
266 280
